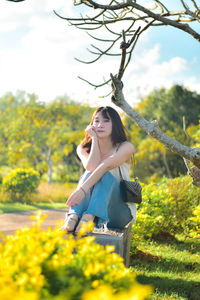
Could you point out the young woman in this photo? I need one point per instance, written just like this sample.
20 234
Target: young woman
97 198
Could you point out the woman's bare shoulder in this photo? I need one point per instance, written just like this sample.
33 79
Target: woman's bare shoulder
127 149
127 145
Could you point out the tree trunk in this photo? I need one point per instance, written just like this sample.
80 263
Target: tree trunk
80 164
49 161
166 165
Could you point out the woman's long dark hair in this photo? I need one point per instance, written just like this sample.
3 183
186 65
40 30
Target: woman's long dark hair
118 134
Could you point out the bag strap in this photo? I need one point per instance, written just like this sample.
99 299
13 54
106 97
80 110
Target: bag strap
120 174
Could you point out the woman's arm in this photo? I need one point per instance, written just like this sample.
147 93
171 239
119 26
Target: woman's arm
117 159
92 160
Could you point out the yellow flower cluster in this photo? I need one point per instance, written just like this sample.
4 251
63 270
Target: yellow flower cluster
195 231
37 264
106 293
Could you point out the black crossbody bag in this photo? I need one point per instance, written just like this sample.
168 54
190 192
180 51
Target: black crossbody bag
131 191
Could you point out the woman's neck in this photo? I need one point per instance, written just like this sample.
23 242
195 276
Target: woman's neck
105 146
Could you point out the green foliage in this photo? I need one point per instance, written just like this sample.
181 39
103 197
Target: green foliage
20 183
41 135
169 107
67 173
185 198
194 133
195 220
167 207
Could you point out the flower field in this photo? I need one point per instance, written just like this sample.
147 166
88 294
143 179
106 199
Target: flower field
37 264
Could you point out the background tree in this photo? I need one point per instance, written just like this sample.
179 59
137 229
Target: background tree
130 13
42 136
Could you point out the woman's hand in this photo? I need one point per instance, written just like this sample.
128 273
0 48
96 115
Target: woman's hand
75 198
90 130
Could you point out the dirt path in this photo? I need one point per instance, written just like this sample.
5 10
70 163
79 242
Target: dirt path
10 222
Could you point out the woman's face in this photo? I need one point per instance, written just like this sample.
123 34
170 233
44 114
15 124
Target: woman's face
102 125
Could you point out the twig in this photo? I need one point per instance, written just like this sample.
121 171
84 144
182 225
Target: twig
99 39
125 45
95 85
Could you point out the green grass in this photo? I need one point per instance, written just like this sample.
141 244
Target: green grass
14 207
172 267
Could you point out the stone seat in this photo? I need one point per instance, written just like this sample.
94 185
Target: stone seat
119 238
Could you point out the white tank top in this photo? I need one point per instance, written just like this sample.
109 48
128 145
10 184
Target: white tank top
125 167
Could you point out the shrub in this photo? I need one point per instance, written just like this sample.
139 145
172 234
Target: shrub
20 183
195 221
185 198
38 264
167 207
151 214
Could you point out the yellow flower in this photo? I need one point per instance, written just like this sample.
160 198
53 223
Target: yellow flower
110 248
138 292
85 228
104 292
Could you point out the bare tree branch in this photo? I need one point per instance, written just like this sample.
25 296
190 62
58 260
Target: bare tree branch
152 128
125 45
166 21
188 11
162 6
108 6
99 39
197 8
131 12
96 85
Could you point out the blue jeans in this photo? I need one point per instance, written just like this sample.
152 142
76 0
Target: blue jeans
103 201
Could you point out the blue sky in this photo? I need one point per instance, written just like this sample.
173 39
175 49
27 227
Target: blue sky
175 42
37 51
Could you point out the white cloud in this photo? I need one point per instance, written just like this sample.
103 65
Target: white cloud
45 63
148 73
193 84
13 15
